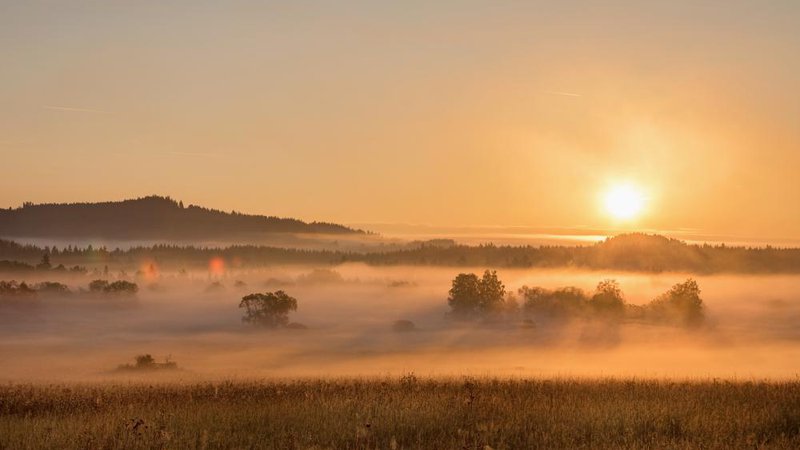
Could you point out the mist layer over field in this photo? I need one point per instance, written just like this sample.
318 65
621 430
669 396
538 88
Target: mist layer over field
752 329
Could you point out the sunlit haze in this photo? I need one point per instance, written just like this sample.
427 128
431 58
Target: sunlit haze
438 113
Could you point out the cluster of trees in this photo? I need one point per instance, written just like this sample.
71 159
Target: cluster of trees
635 252
484 297
471 296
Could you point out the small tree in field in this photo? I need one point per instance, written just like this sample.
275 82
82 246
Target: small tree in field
270 310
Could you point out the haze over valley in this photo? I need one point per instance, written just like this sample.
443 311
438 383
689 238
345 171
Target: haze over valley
399 225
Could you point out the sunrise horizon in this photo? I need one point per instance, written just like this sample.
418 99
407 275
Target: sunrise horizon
505 234
458 224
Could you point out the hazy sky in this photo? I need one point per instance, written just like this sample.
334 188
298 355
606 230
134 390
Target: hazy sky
445 113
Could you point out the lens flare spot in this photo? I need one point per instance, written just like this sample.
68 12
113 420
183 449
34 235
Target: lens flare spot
216 266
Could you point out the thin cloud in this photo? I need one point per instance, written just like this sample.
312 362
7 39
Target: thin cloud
71 109
565 94
169 154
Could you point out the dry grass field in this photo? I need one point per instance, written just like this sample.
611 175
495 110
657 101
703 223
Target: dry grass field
403 413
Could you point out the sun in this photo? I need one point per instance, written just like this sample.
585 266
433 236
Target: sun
624 201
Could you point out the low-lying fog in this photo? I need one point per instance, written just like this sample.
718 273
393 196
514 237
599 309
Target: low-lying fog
752 329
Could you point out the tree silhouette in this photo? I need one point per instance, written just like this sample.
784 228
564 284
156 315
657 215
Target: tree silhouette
681 305
607 300
45 263
270 310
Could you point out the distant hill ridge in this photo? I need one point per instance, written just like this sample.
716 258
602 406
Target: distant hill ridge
152 217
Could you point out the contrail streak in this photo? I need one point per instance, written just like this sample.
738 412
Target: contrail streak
566 94
71 109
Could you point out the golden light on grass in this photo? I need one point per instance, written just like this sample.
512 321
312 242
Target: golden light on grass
624 201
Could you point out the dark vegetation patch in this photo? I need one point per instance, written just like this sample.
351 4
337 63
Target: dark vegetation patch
146 363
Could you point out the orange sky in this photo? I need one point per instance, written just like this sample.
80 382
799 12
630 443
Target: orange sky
453 113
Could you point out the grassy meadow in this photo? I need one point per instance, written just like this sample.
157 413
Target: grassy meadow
467 413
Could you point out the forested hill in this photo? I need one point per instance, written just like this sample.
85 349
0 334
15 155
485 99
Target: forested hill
146 218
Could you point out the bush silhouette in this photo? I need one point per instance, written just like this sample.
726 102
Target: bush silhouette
120 287
98 286
403 326
560 303
321 276
52 288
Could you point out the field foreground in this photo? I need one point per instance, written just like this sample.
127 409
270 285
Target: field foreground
403 413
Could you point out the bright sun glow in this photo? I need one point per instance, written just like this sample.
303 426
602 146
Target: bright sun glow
624 201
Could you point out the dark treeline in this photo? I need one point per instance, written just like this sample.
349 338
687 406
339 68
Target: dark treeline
11 289
151 217
634 252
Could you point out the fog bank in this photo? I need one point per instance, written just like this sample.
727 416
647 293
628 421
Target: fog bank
752 329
